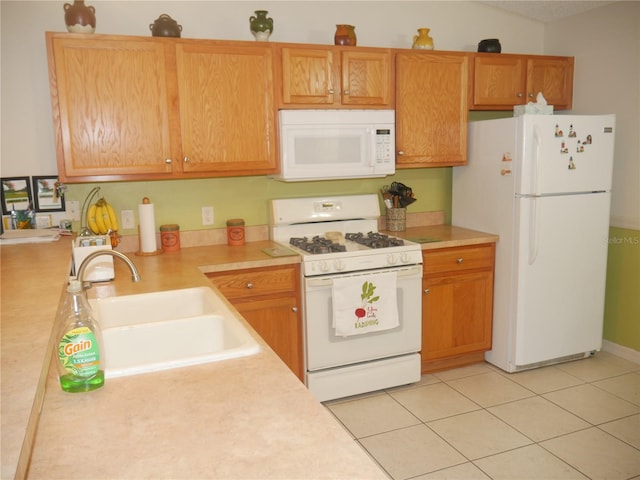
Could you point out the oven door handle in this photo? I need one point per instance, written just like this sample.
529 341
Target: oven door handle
402 272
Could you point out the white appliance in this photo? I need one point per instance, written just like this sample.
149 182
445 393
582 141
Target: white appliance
338 240
542 183
334 144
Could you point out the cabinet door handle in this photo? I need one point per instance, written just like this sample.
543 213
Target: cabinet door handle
346 92
520 94
400 152
530 94
187 159
331 91
294 309
249 285
460 260
168 161
426 291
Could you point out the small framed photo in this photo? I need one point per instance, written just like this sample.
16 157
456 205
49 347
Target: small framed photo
46 195
16 194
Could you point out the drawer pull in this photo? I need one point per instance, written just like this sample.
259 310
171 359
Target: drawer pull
460 260
186 159
168 161
249 285
294 309
426 291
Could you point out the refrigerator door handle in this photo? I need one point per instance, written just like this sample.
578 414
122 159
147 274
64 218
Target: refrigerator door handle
534 224
537 164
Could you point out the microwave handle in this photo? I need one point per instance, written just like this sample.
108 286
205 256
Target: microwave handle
371 147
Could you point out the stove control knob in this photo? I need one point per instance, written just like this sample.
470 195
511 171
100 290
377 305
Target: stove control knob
391 259
405 258
339 265
324 267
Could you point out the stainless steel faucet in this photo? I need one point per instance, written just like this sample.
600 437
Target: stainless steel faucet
135 276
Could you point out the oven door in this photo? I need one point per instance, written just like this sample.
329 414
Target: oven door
326 350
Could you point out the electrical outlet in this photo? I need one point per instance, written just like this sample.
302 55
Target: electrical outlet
207 215
127 219
73 210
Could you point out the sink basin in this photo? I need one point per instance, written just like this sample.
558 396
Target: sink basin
162 330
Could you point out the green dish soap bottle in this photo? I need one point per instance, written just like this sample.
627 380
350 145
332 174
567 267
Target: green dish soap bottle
80 352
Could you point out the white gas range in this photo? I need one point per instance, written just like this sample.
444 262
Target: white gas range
362 295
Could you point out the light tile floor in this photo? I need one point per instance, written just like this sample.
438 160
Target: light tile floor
577 420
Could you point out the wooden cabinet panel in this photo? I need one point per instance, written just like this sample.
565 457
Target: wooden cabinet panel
431 109
366 78
502 81
499 80
269 299
111 107
276 321
335 77
256 282
135 108
457 305
458 311
227 113
456 259
308 76
553 76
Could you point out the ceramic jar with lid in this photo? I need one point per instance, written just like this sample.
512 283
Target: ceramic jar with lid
345 35
165 26
79 18
422 40
235 231
260 25
489 45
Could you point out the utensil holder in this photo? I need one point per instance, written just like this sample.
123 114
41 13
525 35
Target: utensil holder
396 219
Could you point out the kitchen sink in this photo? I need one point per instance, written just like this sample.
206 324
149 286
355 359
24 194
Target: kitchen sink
163 330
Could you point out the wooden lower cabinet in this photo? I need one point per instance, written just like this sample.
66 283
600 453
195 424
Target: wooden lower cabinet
457 306
269 299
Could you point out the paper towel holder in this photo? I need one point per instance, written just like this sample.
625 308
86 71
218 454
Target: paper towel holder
146 201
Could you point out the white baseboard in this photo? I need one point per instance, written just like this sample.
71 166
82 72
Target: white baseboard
621 351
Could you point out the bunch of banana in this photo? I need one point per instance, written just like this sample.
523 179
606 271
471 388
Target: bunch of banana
101 218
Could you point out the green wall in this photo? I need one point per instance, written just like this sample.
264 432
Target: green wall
179 201
622 301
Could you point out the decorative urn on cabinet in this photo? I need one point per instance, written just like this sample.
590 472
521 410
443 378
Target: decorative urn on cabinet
79 18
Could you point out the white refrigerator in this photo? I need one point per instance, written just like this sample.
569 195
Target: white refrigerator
543 184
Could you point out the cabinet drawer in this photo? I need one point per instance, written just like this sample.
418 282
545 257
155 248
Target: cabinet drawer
252 283
458 258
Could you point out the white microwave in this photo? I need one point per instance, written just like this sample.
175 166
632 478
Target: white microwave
336 144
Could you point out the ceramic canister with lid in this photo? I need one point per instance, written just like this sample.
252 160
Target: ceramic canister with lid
235 231
170 237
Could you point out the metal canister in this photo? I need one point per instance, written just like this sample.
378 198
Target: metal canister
235 231
170 237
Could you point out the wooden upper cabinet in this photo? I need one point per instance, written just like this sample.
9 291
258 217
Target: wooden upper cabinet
227 112
501 81
134 108
335 77
553 76
431 109
111 106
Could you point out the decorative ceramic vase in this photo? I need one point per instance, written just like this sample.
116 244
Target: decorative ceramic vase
79 18
261 25
165 26
490 45
423 40
345 35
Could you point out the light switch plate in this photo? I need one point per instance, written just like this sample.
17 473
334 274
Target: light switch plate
127 219
73 210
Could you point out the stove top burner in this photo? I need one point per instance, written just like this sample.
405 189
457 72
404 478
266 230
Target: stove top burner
375 240
319 244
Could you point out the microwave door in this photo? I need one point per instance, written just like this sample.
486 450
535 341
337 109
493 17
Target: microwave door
337 151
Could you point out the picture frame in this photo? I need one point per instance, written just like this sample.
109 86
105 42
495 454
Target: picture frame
46 198
16 194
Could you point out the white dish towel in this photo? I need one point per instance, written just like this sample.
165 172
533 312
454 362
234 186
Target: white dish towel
365 303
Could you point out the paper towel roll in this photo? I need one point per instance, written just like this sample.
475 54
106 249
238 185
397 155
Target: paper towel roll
147 219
